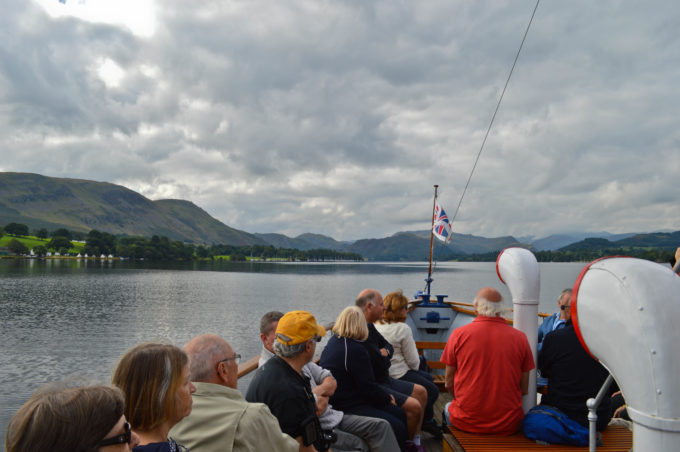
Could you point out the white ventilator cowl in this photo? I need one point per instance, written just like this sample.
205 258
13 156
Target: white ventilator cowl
626 313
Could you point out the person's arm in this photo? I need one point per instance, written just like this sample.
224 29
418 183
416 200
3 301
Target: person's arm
361 371
327 387
448 379
409 349
545 355
321 402
258 429
524 383
385 347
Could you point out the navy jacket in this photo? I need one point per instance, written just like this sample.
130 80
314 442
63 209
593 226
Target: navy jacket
348 361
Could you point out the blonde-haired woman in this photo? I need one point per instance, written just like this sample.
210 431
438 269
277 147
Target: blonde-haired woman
357 391
157 388
405 362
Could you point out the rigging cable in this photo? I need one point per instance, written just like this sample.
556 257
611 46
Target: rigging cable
493 118
498 105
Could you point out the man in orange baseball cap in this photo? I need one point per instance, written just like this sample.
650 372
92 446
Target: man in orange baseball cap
296 327
281 384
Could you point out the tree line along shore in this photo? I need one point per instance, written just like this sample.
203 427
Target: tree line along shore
15 241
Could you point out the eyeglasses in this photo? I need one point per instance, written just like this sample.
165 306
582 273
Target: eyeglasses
565 306
236 359
123 438
317 338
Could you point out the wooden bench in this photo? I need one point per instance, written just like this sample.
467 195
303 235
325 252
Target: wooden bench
425 345
615 438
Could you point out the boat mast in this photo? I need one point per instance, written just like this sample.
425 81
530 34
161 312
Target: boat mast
429 270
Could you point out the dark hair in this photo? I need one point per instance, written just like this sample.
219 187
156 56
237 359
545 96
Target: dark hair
267 320
58 418
150 375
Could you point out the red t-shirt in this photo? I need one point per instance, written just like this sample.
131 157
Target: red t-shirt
489 356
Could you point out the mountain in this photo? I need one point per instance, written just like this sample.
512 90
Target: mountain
664 240
81 205
557 241
415 245
303 242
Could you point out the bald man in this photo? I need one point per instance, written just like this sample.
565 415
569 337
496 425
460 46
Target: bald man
487 370
221 420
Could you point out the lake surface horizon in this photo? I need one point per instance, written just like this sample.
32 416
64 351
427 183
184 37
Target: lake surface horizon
72 320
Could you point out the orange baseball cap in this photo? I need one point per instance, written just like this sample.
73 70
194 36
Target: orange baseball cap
296 327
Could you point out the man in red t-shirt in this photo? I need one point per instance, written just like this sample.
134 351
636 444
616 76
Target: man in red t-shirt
487 370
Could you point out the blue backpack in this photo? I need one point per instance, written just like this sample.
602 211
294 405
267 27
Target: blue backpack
549 425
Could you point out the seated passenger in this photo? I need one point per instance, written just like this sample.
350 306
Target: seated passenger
358 392
411 397
281 385
353 432
157 388
574 375
552 323
405 361
221 420
61 419
487 370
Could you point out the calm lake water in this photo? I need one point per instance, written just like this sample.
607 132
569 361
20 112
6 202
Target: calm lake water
74 319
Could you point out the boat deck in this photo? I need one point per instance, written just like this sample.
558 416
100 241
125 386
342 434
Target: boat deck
615 438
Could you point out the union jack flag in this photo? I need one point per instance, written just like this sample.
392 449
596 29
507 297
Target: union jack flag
441 228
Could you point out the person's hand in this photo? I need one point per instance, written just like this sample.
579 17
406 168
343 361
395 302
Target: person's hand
392 401
619 410
321 404
384 352
320 391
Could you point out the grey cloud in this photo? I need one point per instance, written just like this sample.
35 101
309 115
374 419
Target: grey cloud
268 114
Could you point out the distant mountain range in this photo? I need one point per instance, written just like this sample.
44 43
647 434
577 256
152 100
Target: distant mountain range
81 205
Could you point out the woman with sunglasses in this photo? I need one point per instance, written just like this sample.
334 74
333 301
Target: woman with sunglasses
82 419
157 388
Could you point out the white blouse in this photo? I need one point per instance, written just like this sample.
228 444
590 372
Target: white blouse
405 356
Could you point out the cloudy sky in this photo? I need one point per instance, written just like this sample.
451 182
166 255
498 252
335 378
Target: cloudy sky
337 117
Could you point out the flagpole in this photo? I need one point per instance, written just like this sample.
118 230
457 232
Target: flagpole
429 270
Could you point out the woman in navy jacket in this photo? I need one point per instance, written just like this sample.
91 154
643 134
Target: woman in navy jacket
357 392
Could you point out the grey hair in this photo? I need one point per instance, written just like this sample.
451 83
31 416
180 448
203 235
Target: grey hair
166 380
201 360
289 351
368 298
267 320
564 292
486 308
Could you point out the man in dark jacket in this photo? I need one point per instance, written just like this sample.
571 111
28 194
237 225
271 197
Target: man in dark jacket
412 398
574 375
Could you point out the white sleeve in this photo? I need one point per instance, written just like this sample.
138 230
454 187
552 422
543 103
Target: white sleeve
409 349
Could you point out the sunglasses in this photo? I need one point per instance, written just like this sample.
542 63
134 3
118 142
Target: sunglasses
564 307
123 438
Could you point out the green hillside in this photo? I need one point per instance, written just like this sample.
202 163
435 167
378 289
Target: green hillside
82 205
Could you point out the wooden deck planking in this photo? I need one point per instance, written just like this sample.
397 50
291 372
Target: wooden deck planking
615 439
